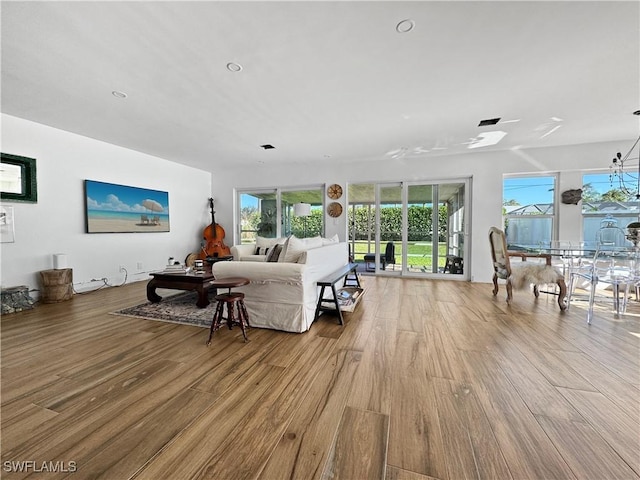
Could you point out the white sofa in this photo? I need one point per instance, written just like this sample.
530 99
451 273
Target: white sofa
282 295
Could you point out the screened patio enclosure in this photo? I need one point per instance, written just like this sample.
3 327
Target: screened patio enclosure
424 221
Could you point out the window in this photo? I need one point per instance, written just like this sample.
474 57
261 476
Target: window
603 198
528 205
257 215
271 213
310 225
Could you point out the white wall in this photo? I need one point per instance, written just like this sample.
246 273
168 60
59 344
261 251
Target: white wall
56 224
485 168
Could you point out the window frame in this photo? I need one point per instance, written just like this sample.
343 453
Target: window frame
554 206
280 211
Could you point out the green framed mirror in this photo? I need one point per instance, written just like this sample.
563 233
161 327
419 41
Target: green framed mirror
18 181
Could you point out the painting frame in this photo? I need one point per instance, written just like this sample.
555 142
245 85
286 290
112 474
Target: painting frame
117 208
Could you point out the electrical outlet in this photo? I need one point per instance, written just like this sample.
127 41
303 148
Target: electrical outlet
139 266
122 269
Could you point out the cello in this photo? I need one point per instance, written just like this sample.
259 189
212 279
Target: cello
213 239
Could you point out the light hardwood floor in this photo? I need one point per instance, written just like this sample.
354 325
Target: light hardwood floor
427 379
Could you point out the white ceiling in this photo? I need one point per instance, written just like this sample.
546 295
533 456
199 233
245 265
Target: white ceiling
323 81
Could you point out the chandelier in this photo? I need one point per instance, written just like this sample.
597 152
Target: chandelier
628 182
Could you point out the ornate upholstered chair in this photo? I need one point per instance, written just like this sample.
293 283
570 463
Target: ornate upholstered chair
522 274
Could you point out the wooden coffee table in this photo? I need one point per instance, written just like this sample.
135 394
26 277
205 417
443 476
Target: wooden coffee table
200 282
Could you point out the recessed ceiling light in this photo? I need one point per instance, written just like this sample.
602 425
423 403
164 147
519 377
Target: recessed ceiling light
486 139
405 26
234 67
637 112
119 94
267 146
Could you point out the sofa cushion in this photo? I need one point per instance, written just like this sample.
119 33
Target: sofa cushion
254 258
330 240
269 242
312 242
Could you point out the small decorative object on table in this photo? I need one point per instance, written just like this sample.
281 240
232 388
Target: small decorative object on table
176 268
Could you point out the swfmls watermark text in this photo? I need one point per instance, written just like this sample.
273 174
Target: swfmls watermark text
32 466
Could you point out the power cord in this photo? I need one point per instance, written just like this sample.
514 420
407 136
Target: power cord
105 284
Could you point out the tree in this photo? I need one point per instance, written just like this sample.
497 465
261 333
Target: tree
512 202
590 194
616 195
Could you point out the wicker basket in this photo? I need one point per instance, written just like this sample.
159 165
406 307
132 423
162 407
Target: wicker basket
57 285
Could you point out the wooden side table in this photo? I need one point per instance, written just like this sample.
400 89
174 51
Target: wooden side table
57 285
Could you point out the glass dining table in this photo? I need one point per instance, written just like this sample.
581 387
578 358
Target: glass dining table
617 266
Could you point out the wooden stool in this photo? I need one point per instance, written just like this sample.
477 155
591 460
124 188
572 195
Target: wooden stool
234 302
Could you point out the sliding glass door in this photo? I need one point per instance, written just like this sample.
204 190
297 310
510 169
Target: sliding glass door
389 231
415 228
436 228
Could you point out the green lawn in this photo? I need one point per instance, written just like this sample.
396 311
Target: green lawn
418 255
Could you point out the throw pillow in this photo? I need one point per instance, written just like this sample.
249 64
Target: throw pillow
294 249
262 250
283 253
275 253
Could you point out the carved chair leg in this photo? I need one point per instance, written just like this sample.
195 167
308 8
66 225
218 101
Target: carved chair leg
536 291
562 294
509 292
495 284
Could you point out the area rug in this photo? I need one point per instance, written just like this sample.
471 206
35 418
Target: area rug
180 308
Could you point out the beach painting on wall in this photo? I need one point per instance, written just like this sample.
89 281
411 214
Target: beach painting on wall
112 208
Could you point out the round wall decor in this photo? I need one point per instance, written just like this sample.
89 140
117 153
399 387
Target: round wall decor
334 209
334 191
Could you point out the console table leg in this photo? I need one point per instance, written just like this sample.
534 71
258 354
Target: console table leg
335 300
317 314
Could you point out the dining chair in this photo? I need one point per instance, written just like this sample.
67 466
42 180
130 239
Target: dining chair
610 234
525 273
612 266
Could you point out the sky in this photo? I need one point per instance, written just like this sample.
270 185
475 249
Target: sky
528 190
122 198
